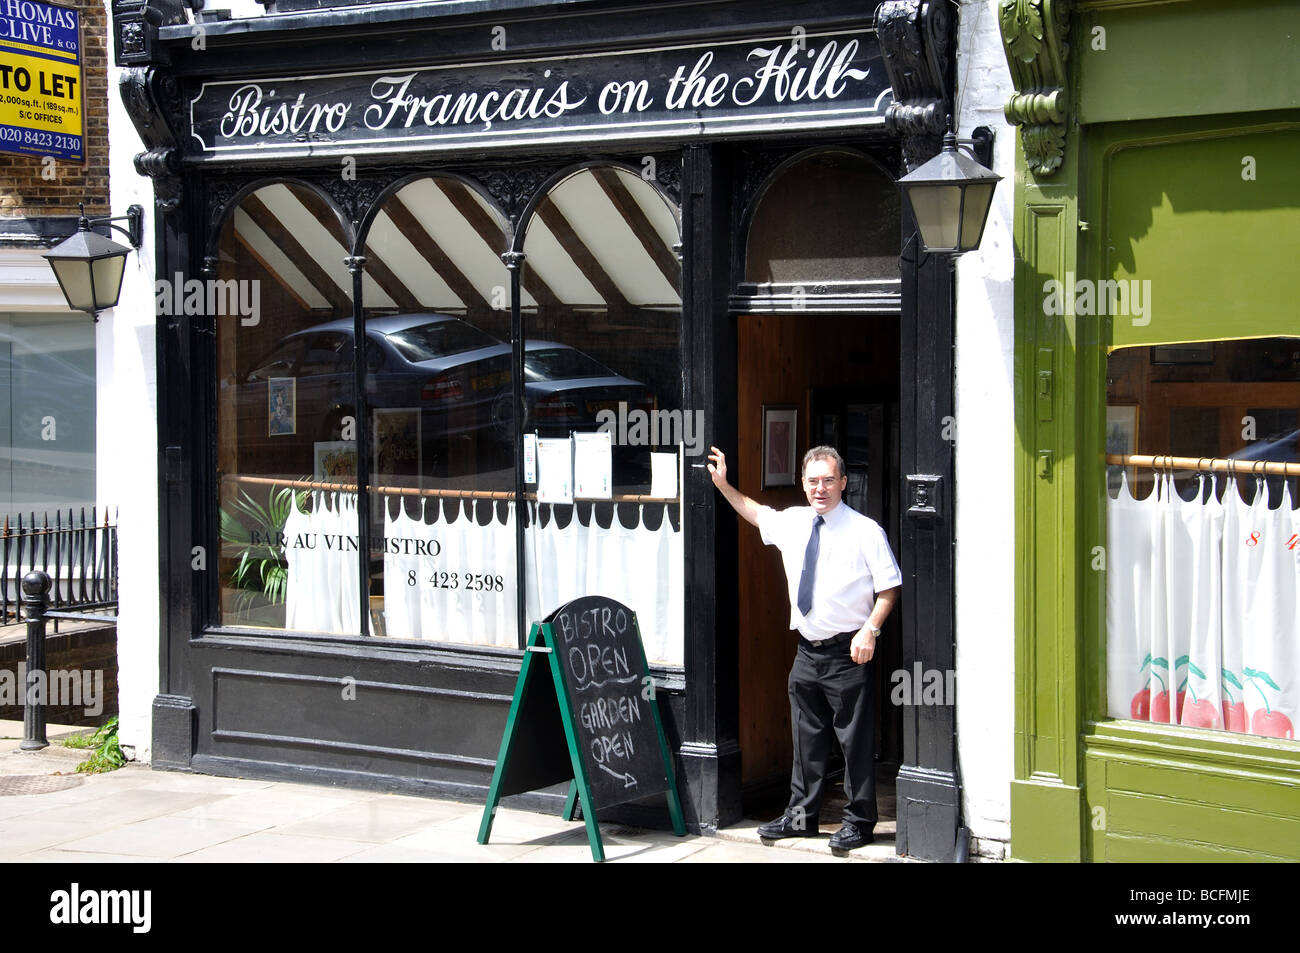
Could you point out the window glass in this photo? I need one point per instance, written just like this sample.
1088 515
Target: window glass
435 339
326 354
286 417
603 398
439 382
598 293
1203 550
47 415
827 216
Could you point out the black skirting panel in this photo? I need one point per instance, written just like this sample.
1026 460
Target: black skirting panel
392 721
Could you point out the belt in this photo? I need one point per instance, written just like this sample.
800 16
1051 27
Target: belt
821 645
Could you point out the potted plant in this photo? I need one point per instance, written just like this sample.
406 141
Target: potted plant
260 576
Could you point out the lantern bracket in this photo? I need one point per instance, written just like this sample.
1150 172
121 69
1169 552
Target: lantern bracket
134 219
979 146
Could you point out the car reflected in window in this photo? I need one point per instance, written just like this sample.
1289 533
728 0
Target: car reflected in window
566 389
437 365
454 375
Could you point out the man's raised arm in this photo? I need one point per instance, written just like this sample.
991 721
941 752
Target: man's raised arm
742 504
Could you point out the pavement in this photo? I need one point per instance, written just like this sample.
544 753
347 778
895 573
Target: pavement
138 815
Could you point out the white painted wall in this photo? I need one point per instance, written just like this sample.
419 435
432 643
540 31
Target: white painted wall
127 445
985 493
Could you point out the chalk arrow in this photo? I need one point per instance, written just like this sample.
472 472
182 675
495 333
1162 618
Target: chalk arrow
627 779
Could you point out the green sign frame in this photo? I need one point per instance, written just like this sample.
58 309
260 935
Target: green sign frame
536 753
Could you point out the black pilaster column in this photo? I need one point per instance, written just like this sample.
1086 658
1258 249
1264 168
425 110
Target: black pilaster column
180 513
929 796
710 750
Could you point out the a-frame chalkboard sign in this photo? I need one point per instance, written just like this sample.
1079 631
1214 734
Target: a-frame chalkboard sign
584 712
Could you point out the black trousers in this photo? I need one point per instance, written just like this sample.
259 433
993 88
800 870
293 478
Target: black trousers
832 694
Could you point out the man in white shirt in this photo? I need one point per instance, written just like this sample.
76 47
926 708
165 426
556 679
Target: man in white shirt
843 582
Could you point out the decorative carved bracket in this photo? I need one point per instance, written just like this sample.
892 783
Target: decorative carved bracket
153 101
151 96
917 39
1034 34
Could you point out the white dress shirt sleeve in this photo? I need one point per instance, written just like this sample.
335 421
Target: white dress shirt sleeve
770 526
885 573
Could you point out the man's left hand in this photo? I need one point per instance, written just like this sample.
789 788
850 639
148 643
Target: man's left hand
862 647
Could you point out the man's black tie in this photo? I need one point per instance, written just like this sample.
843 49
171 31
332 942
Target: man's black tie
810 567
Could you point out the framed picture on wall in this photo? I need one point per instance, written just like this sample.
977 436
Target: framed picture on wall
397 444
780 445
336 460
282 406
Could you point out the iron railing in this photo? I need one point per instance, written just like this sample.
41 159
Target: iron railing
78 554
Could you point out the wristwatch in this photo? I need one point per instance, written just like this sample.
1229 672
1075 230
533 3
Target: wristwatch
873 630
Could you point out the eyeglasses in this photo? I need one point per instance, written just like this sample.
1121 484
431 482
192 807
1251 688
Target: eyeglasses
821 481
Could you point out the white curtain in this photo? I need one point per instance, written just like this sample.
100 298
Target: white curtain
323 594
450 573
638 566
461 588
1202 610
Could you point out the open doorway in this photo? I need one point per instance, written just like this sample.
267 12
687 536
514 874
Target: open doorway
817 305
840 374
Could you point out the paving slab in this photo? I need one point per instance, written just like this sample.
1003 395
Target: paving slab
163 838
376 821
452 844
105 810
270 847
733 853
274 806
23 834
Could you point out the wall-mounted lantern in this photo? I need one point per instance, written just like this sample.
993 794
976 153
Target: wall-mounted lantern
951 195
89 266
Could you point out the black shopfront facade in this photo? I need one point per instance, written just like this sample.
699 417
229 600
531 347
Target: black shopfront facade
451 241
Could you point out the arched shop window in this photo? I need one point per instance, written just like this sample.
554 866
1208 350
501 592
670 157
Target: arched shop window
438 385
285 413
601 309
603 429
830 218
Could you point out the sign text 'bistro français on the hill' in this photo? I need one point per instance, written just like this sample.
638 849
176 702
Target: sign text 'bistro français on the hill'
788 82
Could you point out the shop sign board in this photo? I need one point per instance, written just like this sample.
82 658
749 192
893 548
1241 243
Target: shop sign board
584 712
790 81
41 95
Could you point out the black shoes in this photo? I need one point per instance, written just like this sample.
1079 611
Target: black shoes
850 837
787 826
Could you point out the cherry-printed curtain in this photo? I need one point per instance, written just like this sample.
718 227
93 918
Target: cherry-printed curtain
1203 608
